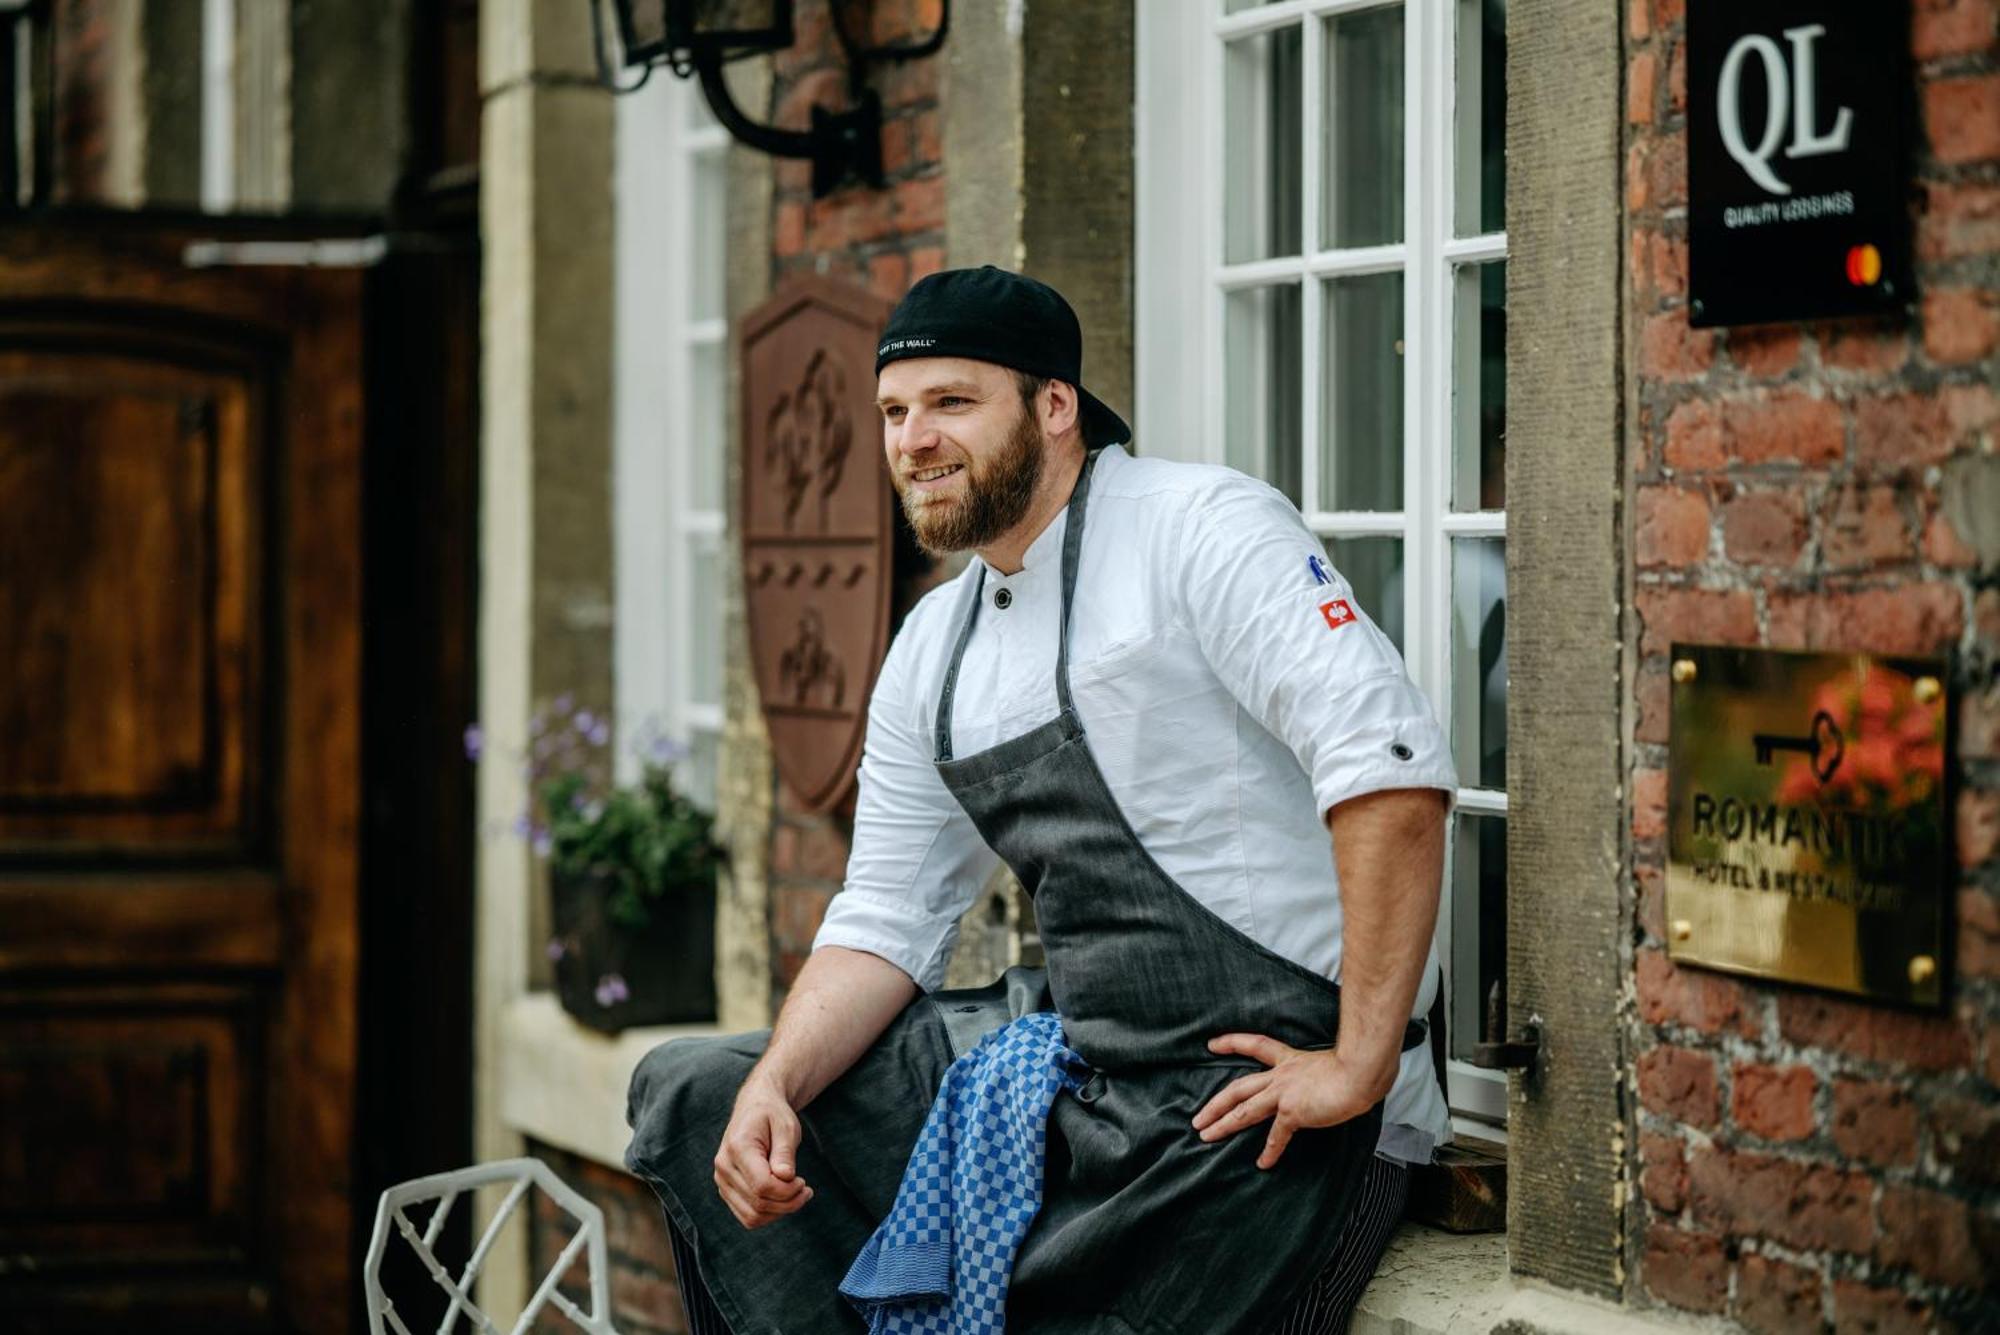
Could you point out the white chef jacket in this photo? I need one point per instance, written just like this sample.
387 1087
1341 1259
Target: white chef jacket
1231 689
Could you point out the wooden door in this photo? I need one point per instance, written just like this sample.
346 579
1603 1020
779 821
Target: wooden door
180 576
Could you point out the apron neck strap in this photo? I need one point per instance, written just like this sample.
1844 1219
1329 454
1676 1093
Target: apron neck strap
1071 556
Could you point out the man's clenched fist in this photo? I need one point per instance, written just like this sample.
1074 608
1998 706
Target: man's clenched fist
756 1166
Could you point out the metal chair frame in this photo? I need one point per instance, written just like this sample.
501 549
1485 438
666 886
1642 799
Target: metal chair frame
445 1189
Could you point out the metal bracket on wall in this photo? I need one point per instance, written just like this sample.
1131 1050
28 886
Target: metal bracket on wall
1496 1052
842 145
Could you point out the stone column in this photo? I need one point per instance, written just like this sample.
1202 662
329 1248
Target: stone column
745 783
263 78
171 96
545 458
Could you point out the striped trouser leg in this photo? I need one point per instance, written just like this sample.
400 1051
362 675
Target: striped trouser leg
1329 1303
703 1317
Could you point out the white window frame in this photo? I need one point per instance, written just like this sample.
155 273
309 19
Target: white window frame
1182 281
663 133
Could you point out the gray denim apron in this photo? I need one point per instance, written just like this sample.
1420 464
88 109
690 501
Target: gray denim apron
1143 1226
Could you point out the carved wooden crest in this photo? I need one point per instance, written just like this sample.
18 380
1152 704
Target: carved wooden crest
816 527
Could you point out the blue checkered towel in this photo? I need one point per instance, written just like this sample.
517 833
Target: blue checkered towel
939 1264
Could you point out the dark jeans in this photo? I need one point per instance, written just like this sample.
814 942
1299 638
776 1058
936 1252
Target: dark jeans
1325 1309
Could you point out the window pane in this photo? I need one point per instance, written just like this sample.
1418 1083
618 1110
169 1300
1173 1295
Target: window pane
704 625
1236 6
1479 388
1479 661
1261 140
696 774
1481 184
1263 390
708 396
1362 180
1374 568
1361 420
1478 924
710 208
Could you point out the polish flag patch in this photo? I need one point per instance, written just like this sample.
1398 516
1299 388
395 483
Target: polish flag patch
1337 613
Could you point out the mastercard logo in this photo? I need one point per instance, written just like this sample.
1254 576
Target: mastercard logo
1864 265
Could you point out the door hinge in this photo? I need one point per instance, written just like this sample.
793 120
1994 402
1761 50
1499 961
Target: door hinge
1495 1051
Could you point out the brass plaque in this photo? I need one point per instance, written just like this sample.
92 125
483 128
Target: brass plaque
1806 823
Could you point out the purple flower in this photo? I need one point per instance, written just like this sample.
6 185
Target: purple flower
475 741
611 989
585 721
541 843
556 948
523 826
600 733
563 702
665 750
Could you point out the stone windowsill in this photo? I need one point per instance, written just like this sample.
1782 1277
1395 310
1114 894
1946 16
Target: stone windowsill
564 1085
1430 1280
1435 1283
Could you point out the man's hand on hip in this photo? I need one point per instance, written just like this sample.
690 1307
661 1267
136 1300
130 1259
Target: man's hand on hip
756 1167
1389 848
1301 1089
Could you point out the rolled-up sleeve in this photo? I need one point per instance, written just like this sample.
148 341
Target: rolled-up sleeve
1286 635
917 862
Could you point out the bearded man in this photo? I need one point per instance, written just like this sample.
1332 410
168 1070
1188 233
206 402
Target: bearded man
1151 696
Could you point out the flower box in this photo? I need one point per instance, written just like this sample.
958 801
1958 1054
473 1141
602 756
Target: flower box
613 976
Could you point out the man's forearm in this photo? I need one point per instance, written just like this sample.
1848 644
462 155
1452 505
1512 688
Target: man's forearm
842 1001
1389 851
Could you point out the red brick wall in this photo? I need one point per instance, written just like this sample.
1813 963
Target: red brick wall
1804 1160
645 1297
82 37
884 240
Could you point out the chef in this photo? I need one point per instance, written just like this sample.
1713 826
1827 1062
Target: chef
1151 696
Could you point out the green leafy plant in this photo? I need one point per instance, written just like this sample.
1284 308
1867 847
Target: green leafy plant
644 840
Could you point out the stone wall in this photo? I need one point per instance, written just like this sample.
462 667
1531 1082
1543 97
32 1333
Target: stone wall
1802 1160
883 240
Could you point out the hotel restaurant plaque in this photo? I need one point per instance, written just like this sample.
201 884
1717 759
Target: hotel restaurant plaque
1806 835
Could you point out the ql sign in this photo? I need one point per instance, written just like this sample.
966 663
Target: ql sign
1800 107
1797 184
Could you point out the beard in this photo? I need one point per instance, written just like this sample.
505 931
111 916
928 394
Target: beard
995 497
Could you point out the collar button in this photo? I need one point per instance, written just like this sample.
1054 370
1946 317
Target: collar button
1003 598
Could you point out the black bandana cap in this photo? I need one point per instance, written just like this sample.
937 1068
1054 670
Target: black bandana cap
991 315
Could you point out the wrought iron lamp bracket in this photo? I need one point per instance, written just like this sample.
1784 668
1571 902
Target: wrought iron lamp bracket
841 145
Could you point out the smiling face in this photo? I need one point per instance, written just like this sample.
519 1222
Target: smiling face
965 452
